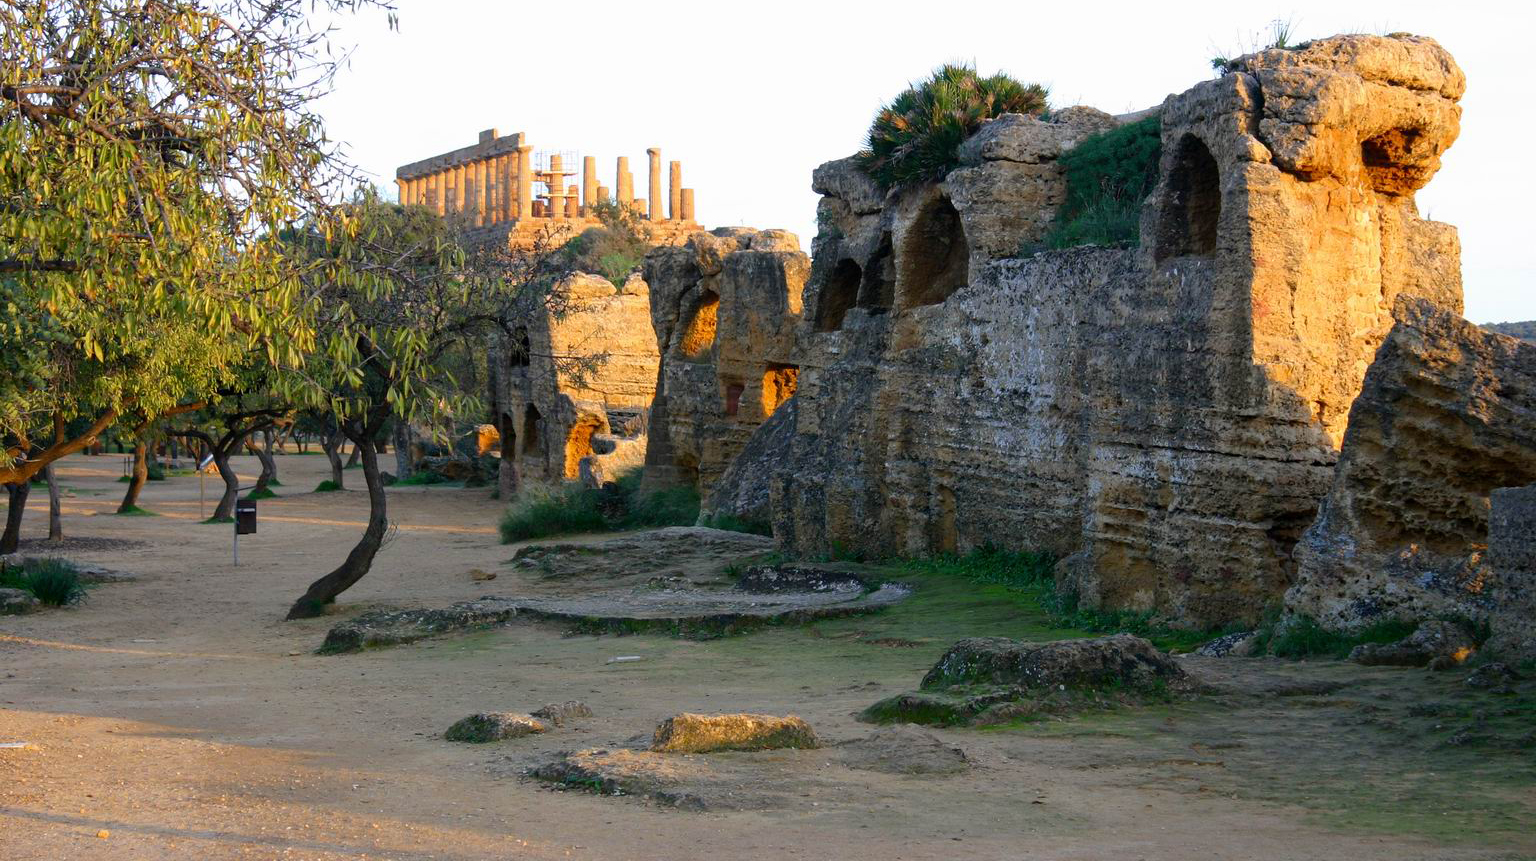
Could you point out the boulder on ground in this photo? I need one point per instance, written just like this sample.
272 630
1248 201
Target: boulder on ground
1436 644
1238 645
1495 677
394 627
1122 660
695 733
493 726
559 713
904 749
14 602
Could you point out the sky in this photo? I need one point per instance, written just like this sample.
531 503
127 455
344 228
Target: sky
751 97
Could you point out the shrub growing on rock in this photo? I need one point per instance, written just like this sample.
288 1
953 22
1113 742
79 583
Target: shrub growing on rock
918 135
1108 177
51 581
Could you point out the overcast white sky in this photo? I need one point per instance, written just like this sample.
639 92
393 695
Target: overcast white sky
752 96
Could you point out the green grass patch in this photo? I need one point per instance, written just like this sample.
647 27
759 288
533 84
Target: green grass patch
1302 637
261 493
732 523
542 510
421 478
1108 177
327 486
135 511
54 582
1029 575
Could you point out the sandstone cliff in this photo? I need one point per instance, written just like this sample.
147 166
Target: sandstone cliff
1166 418
724 307
1447 415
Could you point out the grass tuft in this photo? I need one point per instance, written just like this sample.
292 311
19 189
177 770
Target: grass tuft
327 486
1108 177
917 136
732 523
1303 637
54 582
420 478
135 511
261 493
541 510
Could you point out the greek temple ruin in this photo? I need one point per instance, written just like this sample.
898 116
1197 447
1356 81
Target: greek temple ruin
501 185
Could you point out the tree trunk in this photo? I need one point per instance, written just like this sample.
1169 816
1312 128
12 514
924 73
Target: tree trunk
268 464
355 457
140 475
332 445
403 465
55 516
226 509
17 498
379 447
322 593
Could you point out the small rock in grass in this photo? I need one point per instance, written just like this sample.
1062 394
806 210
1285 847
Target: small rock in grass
480 575
559 713
694 733
493 726
16 602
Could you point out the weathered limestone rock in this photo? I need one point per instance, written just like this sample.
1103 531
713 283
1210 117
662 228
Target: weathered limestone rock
1447 416
1512 555
904 749
1165 418
395 627
558 713
694 733
724 308
1122 660
555 412
493 726
14 602
745 489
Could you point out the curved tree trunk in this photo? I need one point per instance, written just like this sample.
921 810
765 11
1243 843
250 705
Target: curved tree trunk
140 475
322 593
263 453
332 446
55 516
356 457
226 509
403 450
17 499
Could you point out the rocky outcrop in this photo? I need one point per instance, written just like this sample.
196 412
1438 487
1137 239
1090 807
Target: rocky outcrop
1414 525
724 307
1437 644
573 386
692 733
745 489
1122 660
493 726
1165 418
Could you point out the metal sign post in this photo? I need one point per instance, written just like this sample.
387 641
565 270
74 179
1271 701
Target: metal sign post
202 486
245 522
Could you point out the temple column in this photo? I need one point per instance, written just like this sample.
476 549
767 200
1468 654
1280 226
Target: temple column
572 204
603 193
675 191
401 186
525 182
655 198
460 189
588 185
688 204
435 193
556 186
504 182
624 182
481 192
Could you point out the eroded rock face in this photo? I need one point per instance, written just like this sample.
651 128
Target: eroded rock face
1165 418
1446 418
493 726
724 307
1122 660
559 408
693 733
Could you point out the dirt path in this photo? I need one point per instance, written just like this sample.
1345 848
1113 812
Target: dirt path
181 717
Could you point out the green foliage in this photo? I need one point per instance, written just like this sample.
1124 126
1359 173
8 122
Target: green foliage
421 477
52 581
1031 573
154 471
135 511
261 493
543 510
732 523
917 136
1303 637
613 250
1108 177
327 486
540 510
149 155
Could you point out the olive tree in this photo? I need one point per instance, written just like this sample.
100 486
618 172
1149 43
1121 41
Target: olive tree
150 151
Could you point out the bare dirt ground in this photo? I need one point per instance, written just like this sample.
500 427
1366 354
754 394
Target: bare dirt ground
177 717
